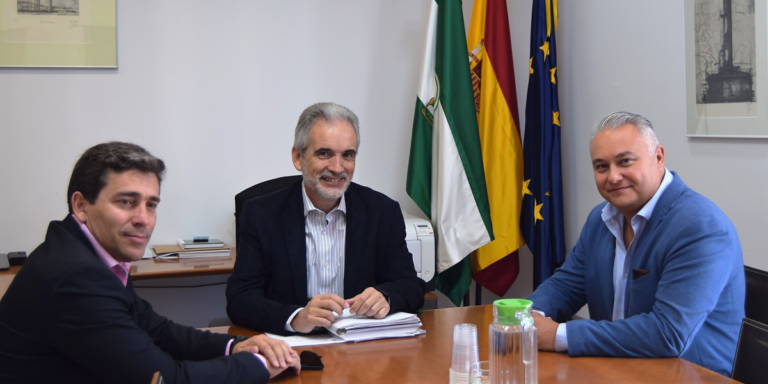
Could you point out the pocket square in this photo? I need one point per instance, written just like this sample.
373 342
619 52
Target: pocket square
638 273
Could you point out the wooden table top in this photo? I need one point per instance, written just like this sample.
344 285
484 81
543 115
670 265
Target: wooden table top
426 359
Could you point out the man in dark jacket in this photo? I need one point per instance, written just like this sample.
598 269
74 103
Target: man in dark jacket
324 244
71 313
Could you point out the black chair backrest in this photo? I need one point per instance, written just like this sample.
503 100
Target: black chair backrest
257 190
751 362
756 303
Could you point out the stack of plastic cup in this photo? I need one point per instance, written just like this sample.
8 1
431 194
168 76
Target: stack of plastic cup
464 352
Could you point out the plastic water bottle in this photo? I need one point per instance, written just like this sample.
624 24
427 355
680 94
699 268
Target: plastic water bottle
513 343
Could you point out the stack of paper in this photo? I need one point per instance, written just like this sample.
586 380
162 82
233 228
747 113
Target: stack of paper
176 252
359 328
354 328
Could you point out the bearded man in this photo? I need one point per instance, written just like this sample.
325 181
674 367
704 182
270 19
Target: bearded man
307 247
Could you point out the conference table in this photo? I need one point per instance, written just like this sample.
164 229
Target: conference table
426 359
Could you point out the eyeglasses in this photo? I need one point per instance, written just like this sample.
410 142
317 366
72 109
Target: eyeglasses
311 361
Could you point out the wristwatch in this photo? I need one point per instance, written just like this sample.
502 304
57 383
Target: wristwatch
235 341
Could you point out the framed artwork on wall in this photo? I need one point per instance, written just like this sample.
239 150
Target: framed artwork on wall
58 33
725 68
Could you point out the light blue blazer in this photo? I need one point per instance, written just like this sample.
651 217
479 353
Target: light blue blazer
689 304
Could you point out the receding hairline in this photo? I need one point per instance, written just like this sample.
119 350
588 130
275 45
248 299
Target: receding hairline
619 119
332 122
325 111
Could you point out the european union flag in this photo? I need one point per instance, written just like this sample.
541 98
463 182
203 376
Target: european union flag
541 219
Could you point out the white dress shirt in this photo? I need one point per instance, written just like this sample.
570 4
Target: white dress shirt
325 236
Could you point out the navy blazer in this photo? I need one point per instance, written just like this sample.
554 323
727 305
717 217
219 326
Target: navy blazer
66 318
689 303
269 281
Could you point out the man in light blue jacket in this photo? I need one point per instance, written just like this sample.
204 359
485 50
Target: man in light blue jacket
659 265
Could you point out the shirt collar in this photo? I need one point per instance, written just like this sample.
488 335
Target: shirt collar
610 211
104 256
308 206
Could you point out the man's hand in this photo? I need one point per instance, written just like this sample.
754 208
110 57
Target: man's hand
318 312
277 352
547 331
370 303
295 364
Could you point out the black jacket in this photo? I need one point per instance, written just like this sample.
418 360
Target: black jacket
66 318
269 281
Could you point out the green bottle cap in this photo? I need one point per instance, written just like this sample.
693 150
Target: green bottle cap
504 310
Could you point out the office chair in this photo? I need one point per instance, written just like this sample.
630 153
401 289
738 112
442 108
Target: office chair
756 303
260 189
749 365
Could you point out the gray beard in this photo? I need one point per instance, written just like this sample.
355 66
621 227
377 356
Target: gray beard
313 183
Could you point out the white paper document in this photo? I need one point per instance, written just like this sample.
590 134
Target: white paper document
348 323
355 328
308 340
378 335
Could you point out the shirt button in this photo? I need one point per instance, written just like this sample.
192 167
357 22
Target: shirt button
325 265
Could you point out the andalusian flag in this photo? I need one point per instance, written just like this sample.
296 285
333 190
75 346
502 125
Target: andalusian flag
496 264
445 170
542 216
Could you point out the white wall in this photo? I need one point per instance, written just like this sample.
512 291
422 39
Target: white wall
216 90
629 55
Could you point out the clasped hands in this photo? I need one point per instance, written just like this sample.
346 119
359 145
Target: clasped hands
319 312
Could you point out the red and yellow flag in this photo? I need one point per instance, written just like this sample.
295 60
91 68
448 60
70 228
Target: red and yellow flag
495 265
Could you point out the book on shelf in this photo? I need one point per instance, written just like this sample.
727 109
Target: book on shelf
191 244
174 251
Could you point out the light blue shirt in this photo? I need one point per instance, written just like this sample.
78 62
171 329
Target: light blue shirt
325 236
614 220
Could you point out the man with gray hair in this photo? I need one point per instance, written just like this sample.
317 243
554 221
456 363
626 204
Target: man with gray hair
307 247
659 265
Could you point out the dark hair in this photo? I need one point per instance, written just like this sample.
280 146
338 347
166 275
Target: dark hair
92 169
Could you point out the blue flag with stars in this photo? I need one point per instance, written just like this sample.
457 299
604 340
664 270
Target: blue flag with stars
541 219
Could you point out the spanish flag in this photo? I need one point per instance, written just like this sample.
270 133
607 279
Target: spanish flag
495 265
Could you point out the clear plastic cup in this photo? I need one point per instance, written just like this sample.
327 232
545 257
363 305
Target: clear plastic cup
479 373
464 352
458 378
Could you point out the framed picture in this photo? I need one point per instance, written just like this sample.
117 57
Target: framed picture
58 33
725 68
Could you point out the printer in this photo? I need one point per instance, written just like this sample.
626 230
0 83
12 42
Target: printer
420 239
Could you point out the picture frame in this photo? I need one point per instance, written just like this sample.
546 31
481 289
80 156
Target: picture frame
58 33
726 75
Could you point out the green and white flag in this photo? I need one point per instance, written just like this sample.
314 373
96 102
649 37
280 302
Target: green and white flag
445 169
